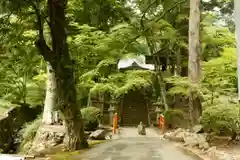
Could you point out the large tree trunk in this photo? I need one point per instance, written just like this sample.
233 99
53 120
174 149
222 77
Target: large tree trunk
51 95
59 58
237 34
194 69
66 83
67 102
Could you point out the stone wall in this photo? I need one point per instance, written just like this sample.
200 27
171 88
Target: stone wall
13 121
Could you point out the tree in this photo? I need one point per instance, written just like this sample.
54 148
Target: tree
50 98
237 22
194 68
157 28
58 57
224 10
62 63
102 14
19 63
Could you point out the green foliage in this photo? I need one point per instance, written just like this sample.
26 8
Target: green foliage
106 79
100 14
93 81
30 91
134 80
179 85
214 40
224 10
28 133
91 117
173 117
223 120
18 61
35 92
220 78
103 36
83 42
102 31
4 106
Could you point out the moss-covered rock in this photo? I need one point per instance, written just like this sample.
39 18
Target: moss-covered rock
13 121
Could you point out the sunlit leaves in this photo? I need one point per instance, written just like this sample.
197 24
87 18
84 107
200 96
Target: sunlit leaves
102 14
100 80
20 61
214 37
220 76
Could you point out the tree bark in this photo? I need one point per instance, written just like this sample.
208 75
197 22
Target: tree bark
59 58
50 99
194 69
66 82
74 138
178 64
237 35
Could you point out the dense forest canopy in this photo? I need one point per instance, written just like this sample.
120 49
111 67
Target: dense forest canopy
83 41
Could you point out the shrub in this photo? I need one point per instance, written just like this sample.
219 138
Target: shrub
173 117
28 133
223 120
91 117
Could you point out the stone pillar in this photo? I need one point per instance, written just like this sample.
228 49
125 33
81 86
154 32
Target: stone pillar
111 111
100 121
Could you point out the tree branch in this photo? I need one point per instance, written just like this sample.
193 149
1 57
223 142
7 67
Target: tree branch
40 43
16 73
145 12
161 16
159 51
7 16
170 9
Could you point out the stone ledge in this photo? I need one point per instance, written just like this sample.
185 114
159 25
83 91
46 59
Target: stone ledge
196 143
194 152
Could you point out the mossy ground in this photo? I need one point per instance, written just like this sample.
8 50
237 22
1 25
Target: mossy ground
61 155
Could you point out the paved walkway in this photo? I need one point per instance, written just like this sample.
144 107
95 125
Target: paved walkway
131 146
130 132
135 149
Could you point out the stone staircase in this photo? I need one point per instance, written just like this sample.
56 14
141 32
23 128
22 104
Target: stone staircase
132 116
